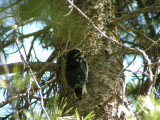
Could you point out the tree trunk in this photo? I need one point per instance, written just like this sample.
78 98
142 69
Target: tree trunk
104 64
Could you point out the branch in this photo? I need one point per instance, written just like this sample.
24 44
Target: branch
9 99
141 34
34 78
41 71
3 103
144 10
50 81
9 6
27 35
35 66
36 33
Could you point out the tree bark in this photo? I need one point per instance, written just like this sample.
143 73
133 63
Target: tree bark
104 72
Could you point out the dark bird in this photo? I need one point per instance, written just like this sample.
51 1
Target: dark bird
77 72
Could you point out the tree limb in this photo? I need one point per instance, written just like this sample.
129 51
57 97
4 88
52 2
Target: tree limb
38 33
8 100
35 66
2 9
144 10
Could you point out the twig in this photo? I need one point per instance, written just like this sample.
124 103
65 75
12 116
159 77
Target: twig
2 9
52 80
70 10
156 73
35 66
31 72
135 32
144 10
152 44
9 99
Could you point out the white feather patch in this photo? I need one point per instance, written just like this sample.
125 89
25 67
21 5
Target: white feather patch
84 89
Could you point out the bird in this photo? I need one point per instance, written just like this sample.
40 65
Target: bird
76 72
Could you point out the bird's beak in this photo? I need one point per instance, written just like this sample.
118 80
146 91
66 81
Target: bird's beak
82 54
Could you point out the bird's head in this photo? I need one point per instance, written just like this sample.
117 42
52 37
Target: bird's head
75 53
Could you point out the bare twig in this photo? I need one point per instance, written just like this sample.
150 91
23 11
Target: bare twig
156 72
70 10
155 43
34 78
50 81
